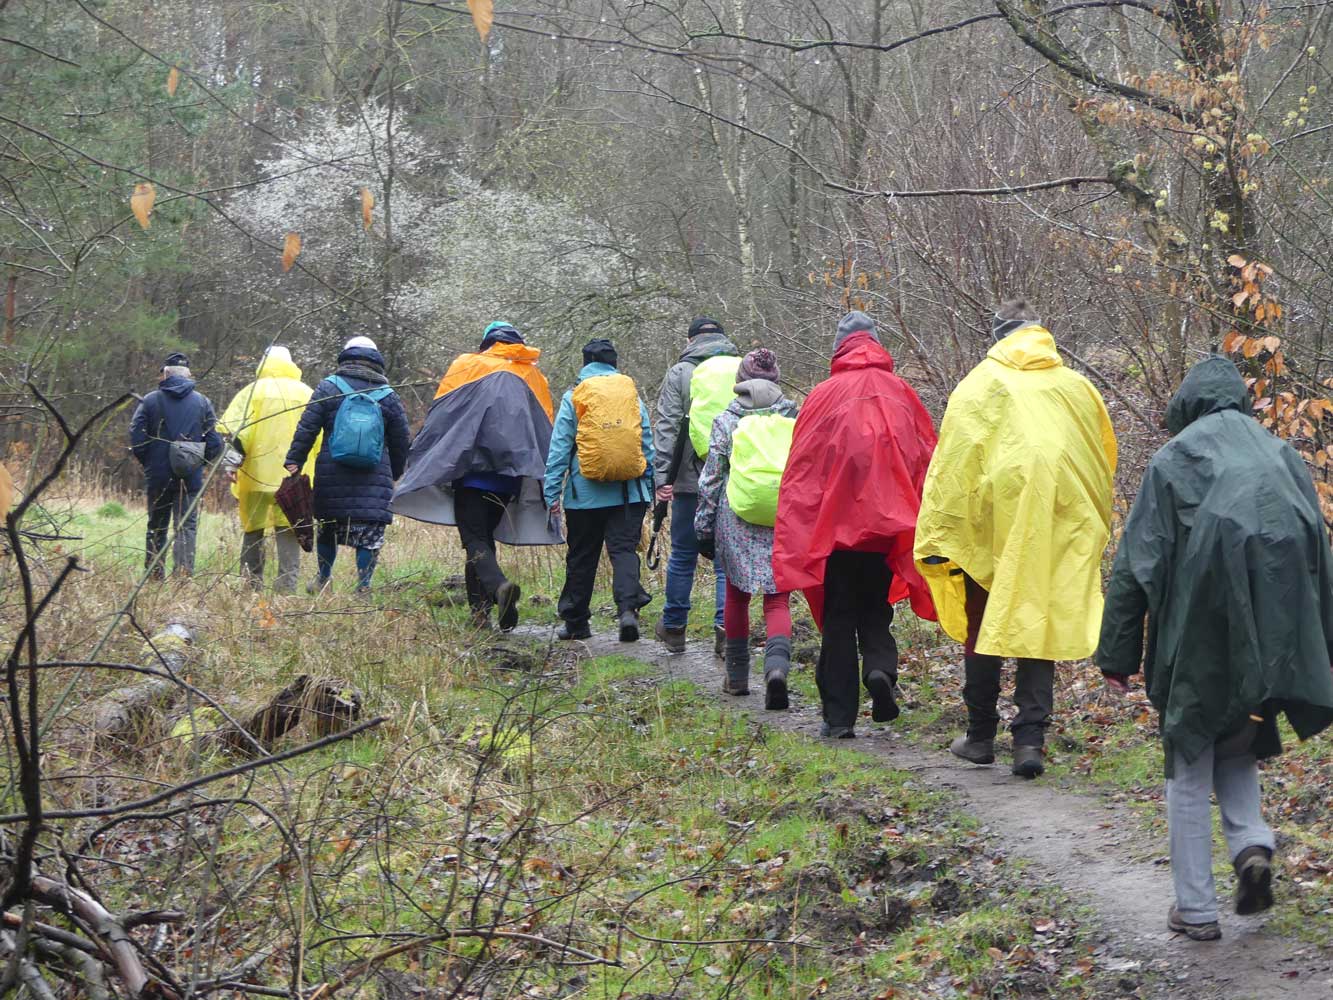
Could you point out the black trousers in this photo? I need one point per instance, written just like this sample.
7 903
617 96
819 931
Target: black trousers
857 613
619 529
1034 685
478 513
167 501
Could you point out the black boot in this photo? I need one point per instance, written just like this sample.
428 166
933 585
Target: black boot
777 663
737 681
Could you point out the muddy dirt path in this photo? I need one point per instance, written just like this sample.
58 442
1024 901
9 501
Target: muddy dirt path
1089 847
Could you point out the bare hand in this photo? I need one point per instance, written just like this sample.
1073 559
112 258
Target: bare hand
557 511
293 468
231 476
665 493
1116 684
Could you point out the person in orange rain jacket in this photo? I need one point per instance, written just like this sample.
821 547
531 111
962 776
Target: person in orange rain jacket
846 520
479 460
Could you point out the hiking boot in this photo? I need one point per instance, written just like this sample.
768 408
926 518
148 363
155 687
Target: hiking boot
569 631
629 626
882 706
737 681
1028 762
318 585
837 732
672 638
506 604
975 751
1195 932
777 663
1254 880
719 642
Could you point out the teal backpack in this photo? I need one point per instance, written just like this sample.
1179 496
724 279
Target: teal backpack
358 429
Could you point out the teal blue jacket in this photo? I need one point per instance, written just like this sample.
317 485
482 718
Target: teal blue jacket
562 462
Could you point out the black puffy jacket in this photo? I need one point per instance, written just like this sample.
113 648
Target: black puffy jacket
341 491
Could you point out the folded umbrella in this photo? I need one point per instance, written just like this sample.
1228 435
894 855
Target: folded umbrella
297 501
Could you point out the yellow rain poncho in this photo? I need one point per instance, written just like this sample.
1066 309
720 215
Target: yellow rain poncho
1018 497
263 417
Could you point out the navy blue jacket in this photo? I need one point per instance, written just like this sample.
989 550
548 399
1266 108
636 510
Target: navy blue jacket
173 412
341 491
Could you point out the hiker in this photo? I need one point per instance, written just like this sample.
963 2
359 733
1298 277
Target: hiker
696 389
1226 555
599 473
259 424
364 449
846 513
738 500
173 435
478 462
1015 516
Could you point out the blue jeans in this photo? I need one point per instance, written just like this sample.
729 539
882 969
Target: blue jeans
680 567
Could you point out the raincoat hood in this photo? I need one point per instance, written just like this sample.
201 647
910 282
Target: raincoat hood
1019 499
757 394
1028 348
520 354
861 350
177 386
1211 386
705 346
276 366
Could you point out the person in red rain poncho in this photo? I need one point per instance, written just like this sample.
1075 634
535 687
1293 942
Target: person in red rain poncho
847 519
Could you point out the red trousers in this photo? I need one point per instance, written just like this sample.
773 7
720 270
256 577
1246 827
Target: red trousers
736 614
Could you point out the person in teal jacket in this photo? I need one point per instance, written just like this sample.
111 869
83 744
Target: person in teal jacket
597 511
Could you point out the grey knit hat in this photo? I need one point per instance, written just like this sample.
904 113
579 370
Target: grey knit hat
854 322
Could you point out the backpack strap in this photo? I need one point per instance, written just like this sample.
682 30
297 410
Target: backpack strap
342 385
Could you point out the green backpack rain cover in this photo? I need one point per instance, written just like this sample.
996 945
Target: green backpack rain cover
759 450
712 388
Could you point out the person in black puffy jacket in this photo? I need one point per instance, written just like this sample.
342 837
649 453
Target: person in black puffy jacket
351 504
174 411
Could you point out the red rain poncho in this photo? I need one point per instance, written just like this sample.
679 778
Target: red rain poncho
858 460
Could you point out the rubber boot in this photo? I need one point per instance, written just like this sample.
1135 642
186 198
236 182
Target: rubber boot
777 663
737 681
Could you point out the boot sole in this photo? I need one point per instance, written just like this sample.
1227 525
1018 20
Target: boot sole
775 695
629 633
1254 893
1195 932
507 608
981 759
882 706
1029 769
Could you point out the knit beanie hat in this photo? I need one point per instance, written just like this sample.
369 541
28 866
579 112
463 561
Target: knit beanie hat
703 324
600 351
365 342
854 322
759 363
500 332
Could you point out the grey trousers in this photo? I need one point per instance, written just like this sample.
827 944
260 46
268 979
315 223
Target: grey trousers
1189 815
289 559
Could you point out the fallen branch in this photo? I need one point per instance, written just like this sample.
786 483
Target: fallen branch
119 947
121 714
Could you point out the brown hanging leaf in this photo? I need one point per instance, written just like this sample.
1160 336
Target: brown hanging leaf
291 249
141 202
6 490
483 14
367 203
173 81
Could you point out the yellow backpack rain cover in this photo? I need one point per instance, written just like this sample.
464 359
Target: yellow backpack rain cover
712 388
610 436
759 450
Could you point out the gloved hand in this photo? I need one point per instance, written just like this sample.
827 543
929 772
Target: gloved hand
707 547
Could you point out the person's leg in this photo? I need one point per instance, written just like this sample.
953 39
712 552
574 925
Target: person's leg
836 673
252 558
289 560
477 513
777 649
981 673
585 531
186 515
1034 695
1250 840
681 564
719 595
736 613
365 567
1190 829
326 551
874 623
160 503
777 616
624 528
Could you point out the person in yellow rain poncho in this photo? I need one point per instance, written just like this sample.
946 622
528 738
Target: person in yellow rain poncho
258 425
1015 515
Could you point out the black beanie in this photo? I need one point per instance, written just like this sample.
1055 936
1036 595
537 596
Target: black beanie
600 351
704 324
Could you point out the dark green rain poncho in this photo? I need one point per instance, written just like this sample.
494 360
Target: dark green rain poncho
1226 553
